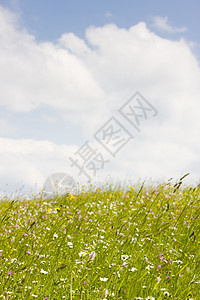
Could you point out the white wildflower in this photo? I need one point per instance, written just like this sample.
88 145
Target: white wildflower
103 279
124 257
133 269
70 244
177 261
43 271
149 267
82 253
125 265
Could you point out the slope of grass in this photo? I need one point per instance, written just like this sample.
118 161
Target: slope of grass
141 243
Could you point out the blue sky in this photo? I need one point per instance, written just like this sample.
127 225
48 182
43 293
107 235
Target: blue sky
48 19
68 66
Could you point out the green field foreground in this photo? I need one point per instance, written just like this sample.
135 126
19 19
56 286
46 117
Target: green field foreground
138 243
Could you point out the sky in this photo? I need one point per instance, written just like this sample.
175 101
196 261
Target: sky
99 90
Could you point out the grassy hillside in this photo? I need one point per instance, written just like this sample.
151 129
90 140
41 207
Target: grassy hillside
139 243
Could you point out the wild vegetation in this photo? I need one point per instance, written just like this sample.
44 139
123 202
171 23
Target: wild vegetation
141 242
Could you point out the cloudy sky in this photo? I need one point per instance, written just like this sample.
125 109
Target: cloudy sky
98 90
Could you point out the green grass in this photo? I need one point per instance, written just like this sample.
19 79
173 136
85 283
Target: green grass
138 243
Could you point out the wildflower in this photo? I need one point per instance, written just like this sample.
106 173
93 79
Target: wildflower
124 257
161 256
103 279
178 261
10 272
28 252
133 269
55 235
166 293
1 254
149 267
82 253
105 294
43 272
70 244
125 265
159 267
92 256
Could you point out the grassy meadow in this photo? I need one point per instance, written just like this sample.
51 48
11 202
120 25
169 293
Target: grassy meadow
141 242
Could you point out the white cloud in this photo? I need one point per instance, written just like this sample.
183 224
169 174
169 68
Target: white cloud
161 23
30 161
40 73
86 82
